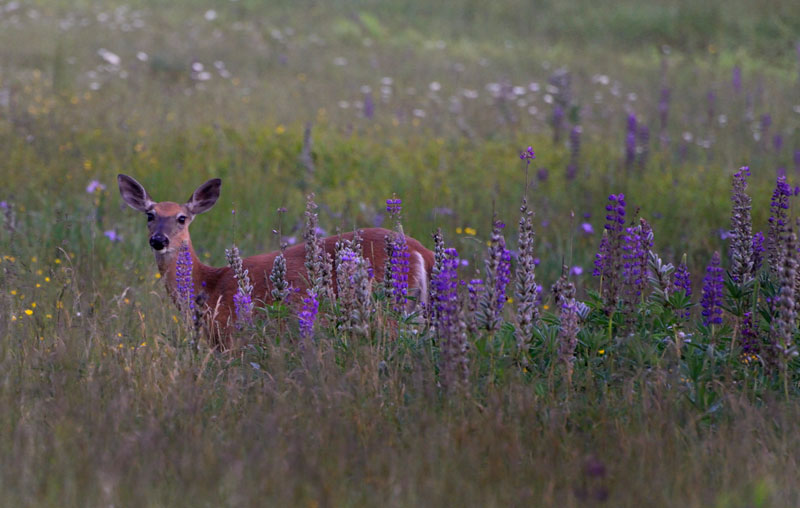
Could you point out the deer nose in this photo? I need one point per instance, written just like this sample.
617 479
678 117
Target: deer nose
158 241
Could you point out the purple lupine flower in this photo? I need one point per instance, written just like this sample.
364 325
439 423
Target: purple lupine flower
112 235
242 307
94 186
400 262
558 120
766 122
369 106
758 251
542 173
587 228
751 343
568 335
736 79
576 270
637 241
797 161
527 155
608 260
308 314
242 299
438 259
785 322
712 292
503 277
682 280
450 325
741 249
354 286
318 264
4 205
498 275
777 142
394 207
778 221
183 278
525 285
474 290
563 289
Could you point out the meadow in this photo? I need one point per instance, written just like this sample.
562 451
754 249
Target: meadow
669 378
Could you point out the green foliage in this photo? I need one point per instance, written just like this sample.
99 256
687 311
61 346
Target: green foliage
108 398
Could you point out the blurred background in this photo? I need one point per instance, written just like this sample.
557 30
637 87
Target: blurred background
433 101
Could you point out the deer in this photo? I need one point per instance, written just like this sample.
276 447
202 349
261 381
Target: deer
168 229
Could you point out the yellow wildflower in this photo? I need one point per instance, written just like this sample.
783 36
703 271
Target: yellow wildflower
29 312
470 231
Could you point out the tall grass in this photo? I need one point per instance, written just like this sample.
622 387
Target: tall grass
108 399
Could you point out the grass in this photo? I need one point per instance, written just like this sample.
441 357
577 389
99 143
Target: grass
107 401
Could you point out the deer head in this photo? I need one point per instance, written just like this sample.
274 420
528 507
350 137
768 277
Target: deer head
168 222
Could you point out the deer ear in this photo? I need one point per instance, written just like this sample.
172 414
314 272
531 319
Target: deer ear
134 194
204 197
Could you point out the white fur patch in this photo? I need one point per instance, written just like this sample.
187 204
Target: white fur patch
422 278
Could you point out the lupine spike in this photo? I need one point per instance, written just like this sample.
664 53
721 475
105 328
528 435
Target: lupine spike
438 261
354 286
525 284
280 286
242 299
450 326
308 314
397 258
712 292
741 250
498 268
183 279
319 268
563 289
637 242
608 261
474 289
568 335
682 281
778 222
751 342
784 324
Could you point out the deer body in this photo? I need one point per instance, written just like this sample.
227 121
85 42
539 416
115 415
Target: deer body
168 225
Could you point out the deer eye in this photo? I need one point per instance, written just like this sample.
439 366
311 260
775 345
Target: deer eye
151 216
182 219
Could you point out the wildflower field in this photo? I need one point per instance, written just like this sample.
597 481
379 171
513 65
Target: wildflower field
609 189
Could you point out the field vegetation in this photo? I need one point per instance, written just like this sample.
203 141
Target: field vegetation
667 155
